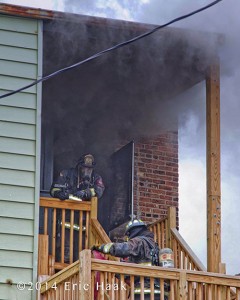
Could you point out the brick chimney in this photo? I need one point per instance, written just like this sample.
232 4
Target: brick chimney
156 176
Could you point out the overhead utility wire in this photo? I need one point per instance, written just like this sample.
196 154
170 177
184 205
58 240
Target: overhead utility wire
110 49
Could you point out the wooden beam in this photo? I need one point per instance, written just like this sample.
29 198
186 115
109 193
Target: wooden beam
213 169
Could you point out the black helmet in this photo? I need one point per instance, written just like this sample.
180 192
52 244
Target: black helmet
133 224
86 160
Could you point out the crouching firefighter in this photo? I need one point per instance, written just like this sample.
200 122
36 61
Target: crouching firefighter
140 248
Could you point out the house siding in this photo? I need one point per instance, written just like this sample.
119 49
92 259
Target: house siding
20 64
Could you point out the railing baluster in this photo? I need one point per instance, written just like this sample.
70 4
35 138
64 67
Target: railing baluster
172 294
190 291
100 287
54 226
180 266
158 234
71 236
162 235
228 296
63 236
141 288
166 242
132 287
152 288
45 227
238 294
122 291
162 289
87 231
80 236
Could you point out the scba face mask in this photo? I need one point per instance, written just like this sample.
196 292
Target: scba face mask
86 173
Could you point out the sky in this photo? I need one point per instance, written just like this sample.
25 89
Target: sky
192 137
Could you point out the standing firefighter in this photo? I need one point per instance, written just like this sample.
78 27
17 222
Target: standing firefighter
81 182
138 249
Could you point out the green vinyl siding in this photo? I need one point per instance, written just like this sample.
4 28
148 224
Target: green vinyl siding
20 65
16 24
22 193
13 68
14 83
17 146
22 178
16 39
23 260
16 244
19 54
12 225
16 161
18 130
19 100
16 114
17 210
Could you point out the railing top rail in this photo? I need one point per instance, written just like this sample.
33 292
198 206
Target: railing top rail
98 228
67 204
166 273
59 277
133 269
188 250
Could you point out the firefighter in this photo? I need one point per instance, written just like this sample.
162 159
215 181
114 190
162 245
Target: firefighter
138 249
138 246
81 182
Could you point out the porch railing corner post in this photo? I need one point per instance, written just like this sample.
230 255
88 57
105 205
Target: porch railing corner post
85 288
171 224
182 290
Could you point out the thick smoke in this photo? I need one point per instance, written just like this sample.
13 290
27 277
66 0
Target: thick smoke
222 18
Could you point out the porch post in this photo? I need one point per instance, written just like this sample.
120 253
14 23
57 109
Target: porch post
85 289
171 224
213 169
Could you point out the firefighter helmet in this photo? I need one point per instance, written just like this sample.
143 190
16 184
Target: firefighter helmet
87 161
133 224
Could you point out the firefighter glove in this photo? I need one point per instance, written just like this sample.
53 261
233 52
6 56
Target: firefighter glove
105 248
62 195
80 194
95 247
88 194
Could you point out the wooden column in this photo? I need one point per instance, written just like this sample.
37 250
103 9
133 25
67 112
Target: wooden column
213 169
85 275
182 288
171 224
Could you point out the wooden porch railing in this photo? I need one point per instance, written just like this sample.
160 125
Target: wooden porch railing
91 279
90 232
184 257
167 236
65 232
162 228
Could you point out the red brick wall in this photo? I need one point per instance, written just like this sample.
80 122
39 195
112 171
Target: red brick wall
156 178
